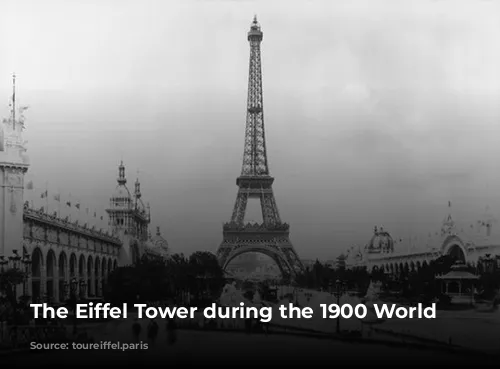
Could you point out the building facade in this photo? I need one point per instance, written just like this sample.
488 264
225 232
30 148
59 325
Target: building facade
61 256
468 244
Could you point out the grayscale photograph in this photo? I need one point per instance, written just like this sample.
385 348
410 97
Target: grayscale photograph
246 181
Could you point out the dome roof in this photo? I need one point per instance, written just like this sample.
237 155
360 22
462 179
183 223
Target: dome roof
381 241
355 256
121 199
158 241
121 192
150 248
140 206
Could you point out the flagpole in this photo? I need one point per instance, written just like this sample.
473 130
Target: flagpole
13 100
47 195
409 242
78 214
70 208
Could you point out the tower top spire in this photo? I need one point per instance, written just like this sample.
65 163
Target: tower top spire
137 189
255 153
448 222
121 174
14 100
255 34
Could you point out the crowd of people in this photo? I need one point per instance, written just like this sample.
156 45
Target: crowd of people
153 330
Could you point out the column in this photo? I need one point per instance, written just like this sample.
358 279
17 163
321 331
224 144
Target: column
29 288
91 287
43 279
103 276
55 282
12 170
77 289
97 275
85 280
66 278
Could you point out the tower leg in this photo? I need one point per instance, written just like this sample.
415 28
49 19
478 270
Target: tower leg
240 207
281 252
270 213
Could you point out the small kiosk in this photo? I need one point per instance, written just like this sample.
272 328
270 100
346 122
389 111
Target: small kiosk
459 284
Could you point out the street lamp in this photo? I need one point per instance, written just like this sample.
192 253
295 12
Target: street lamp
73 285
488 263
66 289
26 261
15 259
83 286
340 289
14 265
3 262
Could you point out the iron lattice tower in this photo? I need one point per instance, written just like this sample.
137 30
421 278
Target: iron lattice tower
272 236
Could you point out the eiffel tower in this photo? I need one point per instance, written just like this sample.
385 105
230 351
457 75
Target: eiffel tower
272 236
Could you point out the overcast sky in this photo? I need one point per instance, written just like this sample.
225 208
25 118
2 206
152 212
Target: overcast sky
376 112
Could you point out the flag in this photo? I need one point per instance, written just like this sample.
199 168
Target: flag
44 194
68 203
57 197
77 206
29 185
14 89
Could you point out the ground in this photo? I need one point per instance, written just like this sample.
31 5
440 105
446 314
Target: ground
468 328
204 347
473 329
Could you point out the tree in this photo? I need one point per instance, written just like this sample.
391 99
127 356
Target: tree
8 280
207 272
178 275
442 265
147 279
156 279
